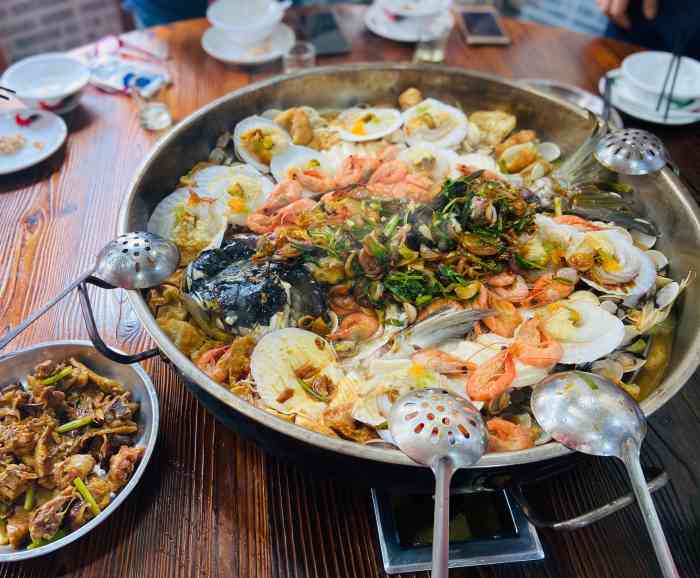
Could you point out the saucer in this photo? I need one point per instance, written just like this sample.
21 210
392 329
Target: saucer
216 44
624 98
401 29
43 138
415 7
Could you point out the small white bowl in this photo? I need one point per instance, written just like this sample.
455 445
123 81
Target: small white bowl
246 23
414 8
49 81
647 71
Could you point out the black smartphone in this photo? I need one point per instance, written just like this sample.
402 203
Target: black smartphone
322 30
480 25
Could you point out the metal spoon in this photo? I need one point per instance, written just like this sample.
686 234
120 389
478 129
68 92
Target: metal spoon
631 151
590 414
131 261
445 432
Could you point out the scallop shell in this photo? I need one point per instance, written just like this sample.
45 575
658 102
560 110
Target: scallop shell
209 217
384 121
274 361
281 140
476 161
448 134
426 157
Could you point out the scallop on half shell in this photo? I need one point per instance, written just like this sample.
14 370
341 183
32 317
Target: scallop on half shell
435 122
363 124
295 159
194 223
257 140
424 157
295 372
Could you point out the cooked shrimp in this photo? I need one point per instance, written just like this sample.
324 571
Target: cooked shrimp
506 436
441 362
467 170
289 213
394 180
548 289
491 378
501 280
515 292
506 319
341 301
208 363
355 170
355 327
313 180
578 222
437 306
261 223
282 195
533 346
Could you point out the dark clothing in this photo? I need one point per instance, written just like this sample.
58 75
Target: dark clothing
674 17
155 12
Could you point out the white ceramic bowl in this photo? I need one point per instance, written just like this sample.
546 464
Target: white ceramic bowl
412 8
646 71
246 23
51 81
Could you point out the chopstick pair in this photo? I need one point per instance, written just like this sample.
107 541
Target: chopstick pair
4 96
679 41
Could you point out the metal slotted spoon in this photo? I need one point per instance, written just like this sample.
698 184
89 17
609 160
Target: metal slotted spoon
631 151
436 428
132 261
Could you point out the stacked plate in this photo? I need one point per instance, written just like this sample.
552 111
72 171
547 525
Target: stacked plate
249 32
638 83
409 20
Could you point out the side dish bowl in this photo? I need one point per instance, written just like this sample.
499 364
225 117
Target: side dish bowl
17 366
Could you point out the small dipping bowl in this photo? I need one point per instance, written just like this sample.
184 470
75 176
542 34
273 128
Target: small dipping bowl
51 81
16 366
246 23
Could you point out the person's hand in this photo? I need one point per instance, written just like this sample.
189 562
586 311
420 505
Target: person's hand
616 10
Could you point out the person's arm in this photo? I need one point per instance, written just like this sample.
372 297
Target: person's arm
616 10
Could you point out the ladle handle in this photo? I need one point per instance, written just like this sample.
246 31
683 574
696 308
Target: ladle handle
630 457
443 471
97 340
15 331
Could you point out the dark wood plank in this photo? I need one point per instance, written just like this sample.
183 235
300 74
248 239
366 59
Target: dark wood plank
214 505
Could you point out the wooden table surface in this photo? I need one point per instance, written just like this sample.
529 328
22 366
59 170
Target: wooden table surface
211 504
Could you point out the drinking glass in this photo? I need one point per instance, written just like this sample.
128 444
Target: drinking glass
434 34
302 55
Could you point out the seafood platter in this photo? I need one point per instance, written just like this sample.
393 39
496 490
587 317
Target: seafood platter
352 233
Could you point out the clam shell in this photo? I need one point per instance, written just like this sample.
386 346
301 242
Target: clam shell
476 161
628 361
609 368
549 151
659 259
642 239
667 295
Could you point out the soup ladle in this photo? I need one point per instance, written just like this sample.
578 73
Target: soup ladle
436 428
590 414
136 260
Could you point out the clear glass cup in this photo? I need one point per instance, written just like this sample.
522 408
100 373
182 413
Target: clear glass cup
434 34
302 55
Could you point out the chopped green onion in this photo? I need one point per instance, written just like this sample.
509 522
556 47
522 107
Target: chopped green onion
423 299
383 425
87 496
637 347
391 226
58 376
589 382
525 263
38 543
29 498
307 388
75 424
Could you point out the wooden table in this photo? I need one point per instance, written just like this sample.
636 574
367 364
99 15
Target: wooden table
214 505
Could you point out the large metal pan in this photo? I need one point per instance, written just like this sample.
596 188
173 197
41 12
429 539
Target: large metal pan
664 197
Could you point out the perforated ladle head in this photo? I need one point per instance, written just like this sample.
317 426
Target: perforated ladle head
137 260
446 432
432 423
631 151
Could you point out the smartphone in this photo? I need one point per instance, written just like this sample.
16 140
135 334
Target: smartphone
481 25
322 30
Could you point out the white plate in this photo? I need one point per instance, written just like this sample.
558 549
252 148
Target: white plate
648 71
403 29
415 7
622 99
44 137
216 44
